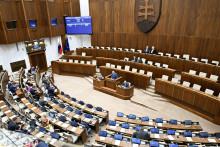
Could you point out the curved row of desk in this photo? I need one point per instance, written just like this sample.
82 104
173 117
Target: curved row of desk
201 103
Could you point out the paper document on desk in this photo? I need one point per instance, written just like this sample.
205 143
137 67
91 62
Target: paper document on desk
102 138
157 136
65 125
39 135
33 108
53 141
92 110
189 138
27 104
7 111
73 129
59 123
117 142
170 137
53 104
135 145
113 127
211 140
151 123
159 124
76 116
67 112
122 130
87 119
23 99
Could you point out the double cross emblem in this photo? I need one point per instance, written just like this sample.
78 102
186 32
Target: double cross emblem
146 7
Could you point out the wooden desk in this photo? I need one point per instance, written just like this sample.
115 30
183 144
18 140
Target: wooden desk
71 68
205 105
206 83
111 83
79 58
136 79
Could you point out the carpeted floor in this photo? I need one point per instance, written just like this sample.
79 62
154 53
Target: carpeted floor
154 105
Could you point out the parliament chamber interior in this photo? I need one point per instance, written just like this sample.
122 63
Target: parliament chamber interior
109 73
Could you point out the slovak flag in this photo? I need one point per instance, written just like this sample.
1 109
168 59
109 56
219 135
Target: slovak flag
60 50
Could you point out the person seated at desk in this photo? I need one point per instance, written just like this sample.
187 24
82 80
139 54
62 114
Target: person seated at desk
43 102
153 51
36 47
14 125
147 50
88 130
134 59
141 134
46 124
50 90
125 84
9 84
13 88
139 60
100 77
114 75
34 92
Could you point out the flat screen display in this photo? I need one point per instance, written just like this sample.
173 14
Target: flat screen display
78 25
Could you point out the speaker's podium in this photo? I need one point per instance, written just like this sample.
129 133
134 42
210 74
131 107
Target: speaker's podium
113 87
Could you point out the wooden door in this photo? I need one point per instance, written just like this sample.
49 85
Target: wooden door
38 59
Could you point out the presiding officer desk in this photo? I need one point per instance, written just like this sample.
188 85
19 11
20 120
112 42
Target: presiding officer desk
174 63
60 67
113 87
157 71
137 79
206 83
201 103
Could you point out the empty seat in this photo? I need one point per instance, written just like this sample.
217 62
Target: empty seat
176 56
118 66
143 60
165 66
94 62
202 74
108 65
127 67
157 64
120 49
102 47
214 77
126 49
204 60
88 62
97 47
215 63
132 49
209 91
139 51
149 73
83 54
60 60
126 59
187 84
150 62
82 62
165 77
192 72
195 59
112 66
71 60
76 61
186 56
114 48
167 54
64 60
196 86
174 80
108 48
134 69
160 53
141 71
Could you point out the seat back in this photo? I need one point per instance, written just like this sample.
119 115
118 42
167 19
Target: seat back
83 62
112 66
165 77
214 77
126 59
139 51
114 48
102 47
94 62
149 73
60 60
187 84
108 48
64 60
127 67
160 53
71 60
120 49
215 62
143 60
174 80
126 49
150 62
165 65
204 60
202 74
88 62
176 56
83 53
195 59
157 64
209 91
141 71
192 72
134 69
76 61
108 65
118 66
196 86
132 49
167 54
186 56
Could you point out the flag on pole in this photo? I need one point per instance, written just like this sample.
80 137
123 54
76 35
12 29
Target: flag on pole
67 45
60 50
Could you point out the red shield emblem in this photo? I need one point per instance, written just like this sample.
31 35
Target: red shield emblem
147 14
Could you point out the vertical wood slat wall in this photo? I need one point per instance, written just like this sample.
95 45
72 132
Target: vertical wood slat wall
185 27
41 10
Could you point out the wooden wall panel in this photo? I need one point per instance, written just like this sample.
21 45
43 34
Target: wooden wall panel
185 27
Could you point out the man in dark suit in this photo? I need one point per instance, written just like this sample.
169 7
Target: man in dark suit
153 51
16 126
13 88
139 60
134 59
114 75
125 84
51 91
141 134
147 50
34 92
